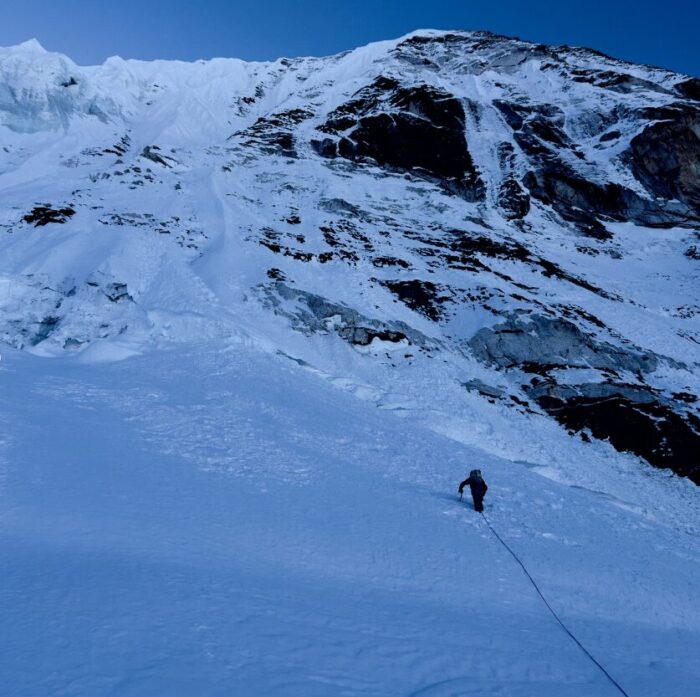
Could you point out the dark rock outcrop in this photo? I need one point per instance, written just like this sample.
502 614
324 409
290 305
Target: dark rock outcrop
513 200
422 296
615 80
273 134
327 147
690 89
43 215
586 203
150 153
665 157
632 418
575 198
418 129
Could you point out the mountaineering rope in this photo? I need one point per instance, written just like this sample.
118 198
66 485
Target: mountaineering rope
549 607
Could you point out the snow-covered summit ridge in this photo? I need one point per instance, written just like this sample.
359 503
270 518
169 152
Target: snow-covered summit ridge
518 222
30 72
34 47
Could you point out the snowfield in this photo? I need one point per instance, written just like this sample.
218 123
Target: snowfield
219 521
258 321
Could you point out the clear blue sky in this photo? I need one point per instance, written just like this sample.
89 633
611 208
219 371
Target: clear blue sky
661 33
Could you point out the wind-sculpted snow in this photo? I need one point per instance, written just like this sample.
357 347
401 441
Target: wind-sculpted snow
515 211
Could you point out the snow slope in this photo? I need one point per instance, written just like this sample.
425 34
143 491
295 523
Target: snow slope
215 520
288 307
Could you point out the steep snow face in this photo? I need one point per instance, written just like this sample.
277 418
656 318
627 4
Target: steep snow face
517 222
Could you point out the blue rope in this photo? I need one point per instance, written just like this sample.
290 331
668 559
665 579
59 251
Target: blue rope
551 609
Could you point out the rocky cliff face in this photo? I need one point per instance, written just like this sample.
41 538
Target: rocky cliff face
527 217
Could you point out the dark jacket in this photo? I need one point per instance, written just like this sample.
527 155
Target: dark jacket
478 487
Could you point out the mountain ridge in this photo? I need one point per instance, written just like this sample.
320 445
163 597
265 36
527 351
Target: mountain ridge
33 43
458 193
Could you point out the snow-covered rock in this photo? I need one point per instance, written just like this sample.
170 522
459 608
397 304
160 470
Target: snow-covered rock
510 210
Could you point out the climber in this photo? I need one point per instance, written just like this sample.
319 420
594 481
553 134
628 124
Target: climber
478 488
